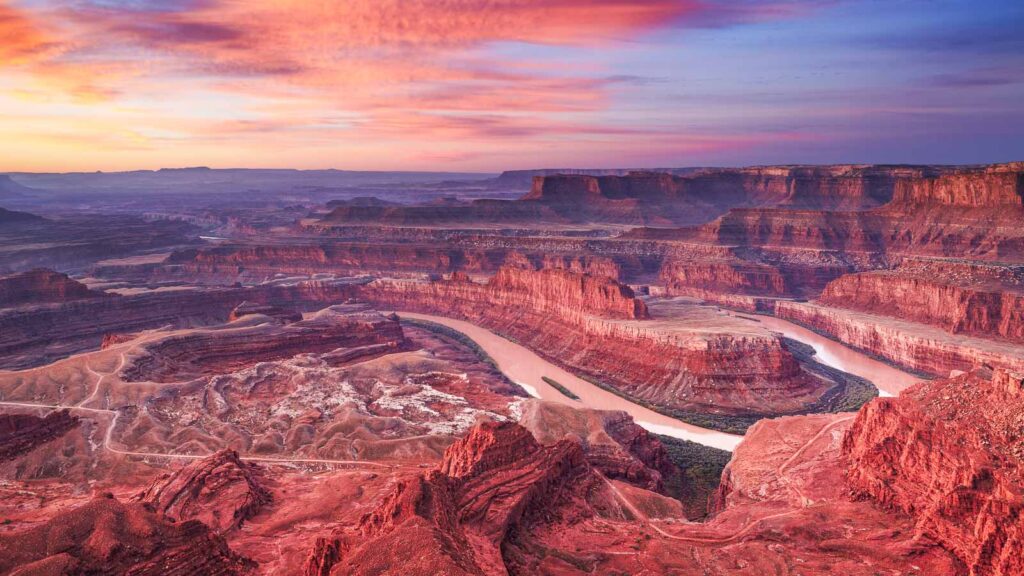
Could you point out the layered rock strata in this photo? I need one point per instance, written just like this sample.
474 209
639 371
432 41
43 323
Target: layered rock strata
40 287
26 333
920 347
472 514
596 326
258 263
352 327
22 433
949 454
956 213
220 491
958 300
105 536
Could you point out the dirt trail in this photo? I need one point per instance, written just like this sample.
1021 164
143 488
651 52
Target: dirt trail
805 502
113 424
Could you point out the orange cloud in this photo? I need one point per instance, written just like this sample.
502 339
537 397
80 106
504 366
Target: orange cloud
21 39
400 79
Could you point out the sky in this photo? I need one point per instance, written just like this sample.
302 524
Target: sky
489 85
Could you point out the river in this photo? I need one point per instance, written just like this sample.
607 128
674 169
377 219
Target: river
890 381
526 368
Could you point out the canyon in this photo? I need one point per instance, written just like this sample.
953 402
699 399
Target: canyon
676 357
725 371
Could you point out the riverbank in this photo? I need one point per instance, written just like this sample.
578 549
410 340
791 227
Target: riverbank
525 367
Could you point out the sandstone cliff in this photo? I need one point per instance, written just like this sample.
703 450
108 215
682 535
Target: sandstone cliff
730 276
702 194
40 287
255 262
920 347
997 186
957 305
956 213
948 453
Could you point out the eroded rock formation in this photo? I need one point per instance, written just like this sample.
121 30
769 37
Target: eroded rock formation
959 298
920 347
355 328
105 536
220 491
948 453
40 287
598 327
26 332
472 514
21 433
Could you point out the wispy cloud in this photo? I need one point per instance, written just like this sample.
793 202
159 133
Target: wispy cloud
460 81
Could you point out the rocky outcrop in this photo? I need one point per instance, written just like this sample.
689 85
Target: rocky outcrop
356 328
27 334
538 512
325 554
641 198
955 213
729 276
949 454
951 299
40 287
251 308
992 187
257 263
920 347
590 264
700 195
21 433
105 536
613 443
560 293
568 293
439 256
220 491
473 513
785 493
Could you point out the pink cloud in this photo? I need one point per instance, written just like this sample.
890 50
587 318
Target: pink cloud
415 73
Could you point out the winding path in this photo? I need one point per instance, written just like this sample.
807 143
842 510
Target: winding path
528 369
750 525
113 424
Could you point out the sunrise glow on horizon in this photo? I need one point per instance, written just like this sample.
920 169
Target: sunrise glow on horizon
487 85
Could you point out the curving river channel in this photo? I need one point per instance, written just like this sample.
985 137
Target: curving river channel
526 368
890 381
